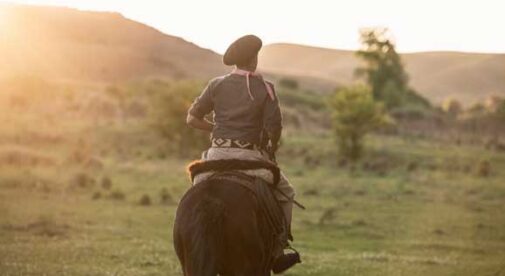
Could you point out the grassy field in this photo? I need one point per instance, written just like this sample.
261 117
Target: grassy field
425 213
98 197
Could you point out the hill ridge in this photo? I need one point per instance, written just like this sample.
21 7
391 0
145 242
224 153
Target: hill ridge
437 75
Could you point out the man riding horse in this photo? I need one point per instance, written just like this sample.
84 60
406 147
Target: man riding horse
247 121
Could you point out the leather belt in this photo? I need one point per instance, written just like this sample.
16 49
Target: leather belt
233 143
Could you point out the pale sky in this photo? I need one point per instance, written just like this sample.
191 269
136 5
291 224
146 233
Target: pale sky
417 25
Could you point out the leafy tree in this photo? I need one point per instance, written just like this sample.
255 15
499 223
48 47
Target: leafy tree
477 109
355 113
170 103
384 71
452 107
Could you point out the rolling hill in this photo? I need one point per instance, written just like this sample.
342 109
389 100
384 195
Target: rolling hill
72 45
69 44
436 75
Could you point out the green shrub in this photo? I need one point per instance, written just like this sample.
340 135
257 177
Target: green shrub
355 113
288 83
106 183
96 195
170 104
145 200
484 168
117 195
166 198
301 99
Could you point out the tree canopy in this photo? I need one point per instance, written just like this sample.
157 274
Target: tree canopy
384 72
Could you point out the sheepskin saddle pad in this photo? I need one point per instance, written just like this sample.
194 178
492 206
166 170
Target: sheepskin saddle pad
201 170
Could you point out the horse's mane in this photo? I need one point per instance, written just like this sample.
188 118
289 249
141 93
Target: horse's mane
200 166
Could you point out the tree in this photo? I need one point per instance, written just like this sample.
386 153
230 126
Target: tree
355 113
476 110
384 71
170 103
452 107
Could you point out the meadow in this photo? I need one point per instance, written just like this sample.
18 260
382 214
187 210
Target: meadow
85 190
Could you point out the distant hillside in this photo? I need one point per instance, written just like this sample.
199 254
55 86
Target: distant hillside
64 43
68 44
436 75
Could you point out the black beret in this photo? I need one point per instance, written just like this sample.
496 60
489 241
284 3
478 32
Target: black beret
242 50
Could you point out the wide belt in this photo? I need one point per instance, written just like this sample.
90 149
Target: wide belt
233 143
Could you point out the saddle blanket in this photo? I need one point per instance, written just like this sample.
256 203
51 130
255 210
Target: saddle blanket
231 153
264 174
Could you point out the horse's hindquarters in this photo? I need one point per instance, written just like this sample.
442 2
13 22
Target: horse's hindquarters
217 229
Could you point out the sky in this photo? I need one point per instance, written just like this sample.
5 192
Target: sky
416 25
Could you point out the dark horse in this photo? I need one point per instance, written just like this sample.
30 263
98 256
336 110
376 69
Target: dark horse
220 230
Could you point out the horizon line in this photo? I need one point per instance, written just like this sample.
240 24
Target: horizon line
323 47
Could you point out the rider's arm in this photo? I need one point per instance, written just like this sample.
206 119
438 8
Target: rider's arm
199 123
272 120
202 106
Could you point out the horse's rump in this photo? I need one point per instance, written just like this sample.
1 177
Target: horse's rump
219 229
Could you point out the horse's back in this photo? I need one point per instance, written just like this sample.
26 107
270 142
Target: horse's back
218 229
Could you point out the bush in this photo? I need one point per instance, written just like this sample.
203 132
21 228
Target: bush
82 180
328 215
170 102
166 197
145 200
484 168
117 195
355 113
452 107
288 83
22 157
106 183
96 195
301 99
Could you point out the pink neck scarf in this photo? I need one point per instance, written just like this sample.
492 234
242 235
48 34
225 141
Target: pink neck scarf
248 74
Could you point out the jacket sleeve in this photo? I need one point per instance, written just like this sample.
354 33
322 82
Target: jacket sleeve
203 104
272 118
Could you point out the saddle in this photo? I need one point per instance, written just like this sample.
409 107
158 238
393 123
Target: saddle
231 169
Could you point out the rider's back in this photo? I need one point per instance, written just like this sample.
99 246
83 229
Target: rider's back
237 114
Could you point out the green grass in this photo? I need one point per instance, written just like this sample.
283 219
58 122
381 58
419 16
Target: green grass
409 207
443 221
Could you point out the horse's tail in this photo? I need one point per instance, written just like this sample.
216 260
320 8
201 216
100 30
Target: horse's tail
206 237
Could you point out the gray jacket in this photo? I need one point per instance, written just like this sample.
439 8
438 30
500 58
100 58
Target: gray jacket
236 115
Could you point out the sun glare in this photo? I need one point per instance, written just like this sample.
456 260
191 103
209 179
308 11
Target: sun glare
3 18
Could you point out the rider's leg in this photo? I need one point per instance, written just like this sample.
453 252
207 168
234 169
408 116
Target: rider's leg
285 195
287 209
286 260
